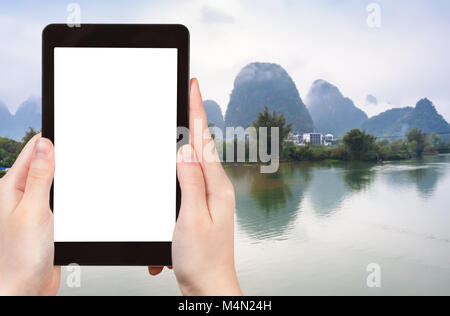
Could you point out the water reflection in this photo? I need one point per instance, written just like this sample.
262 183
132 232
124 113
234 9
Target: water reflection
270 199
268 204
327 190
358 176
424 174
333 183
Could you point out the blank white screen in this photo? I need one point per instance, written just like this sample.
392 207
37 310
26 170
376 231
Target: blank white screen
115 119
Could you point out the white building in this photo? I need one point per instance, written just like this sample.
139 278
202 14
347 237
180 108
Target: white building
312 138
328 138
296 139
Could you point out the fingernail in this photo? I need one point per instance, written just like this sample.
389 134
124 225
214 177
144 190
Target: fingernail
189 154
42 149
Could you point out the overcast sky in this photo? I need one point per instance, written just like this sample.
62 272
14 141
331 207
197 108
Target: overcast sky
402 61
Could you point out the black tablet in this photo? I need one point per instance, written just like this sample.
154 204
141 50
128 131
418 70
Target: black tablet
113 96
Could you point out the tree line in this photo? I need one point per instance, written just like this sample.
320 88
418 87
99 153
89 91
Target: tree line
356 145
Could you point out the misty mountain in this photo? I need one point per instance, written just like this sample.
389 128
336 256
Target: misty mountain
331 111
5 118
397 122
214 114
370 99
28 115
264 84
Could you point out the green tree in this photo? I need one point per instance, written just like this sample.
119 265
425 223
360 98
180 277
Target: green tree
418 141
436 140
269 120
359 144
9 149
28 136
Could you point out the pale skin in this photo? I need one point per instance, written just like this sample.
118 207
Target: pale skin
26 224
203 241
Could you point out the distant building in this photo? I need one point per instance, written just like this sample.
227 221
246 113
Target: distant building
312 138
296 139
328 138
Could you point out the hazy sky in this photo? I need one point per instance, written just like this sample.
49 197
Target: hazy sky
402 61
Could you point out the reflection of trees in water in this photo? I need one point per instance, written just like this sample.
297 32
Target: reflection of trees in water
333 183
273 198
426 179
268 203
358 176
273 191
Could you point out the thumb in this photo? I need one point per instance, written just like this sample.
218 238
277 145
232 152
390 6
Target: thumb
40 173
192 184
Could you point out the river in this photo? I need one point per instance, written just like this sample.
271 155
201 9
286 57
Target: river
315 228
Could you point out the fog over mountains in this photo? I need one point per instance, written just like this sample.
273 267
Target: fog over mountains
327 111
28 115
331 111
264 84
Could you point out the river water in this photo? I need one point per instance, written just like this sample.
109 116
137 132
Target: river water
315 228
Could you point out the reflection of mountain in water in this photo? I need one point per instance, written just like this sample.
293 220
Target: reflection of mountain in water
267 204
426 179
328 190
332 184
424 174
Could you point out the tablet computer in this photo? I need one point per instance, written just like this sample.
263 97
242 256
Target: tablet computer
113 96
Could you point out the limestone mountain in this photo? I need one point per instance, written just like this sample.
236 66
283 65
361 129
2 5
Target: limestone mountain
265 84
331 111
397 122
5 119
214 113
28 115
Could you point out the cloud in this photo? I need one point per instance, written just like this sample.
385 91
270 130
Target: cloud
20 61
403 61
210 15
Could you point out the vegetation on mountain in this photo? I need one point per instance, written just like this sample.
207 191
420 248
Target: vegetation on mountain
261 85
398 122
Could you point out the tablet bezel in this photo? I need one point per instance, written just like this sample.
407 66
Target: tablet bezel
113 36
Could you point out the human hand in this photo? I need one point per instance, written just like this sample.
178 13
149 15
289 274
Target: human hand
203 241
26 224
